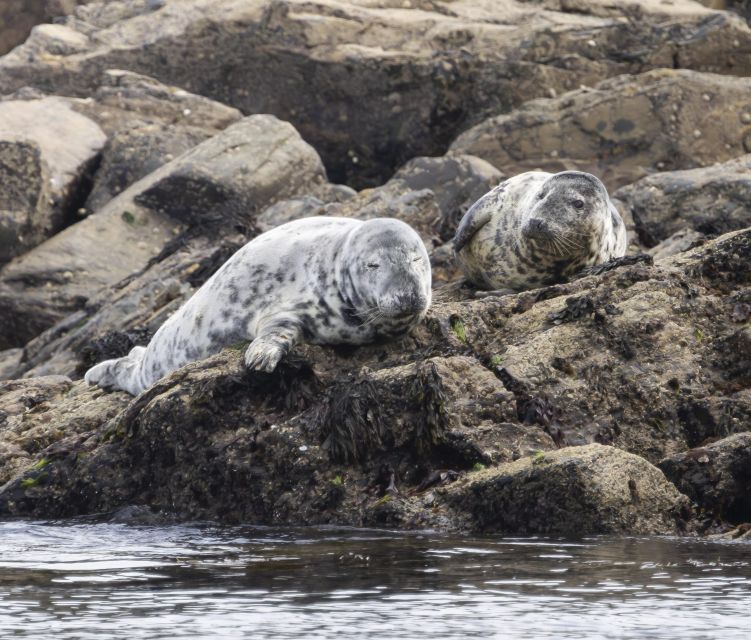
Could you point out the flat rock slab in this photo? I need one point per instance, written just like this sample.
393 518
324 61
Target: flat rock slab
46 152
623 128
575 491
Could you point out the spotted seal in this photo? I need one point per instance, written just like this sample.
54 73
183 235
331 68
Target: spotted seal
538 228
322 279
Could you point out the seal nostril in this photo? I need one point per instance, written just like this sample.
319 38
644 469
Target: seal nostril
536 226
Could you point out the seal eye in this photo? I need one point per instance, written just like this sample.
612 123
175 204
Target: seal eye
373 265
417 259
578 204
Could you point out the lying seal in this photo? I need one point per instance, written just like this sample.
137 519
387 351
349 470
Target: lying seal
537 229
326 280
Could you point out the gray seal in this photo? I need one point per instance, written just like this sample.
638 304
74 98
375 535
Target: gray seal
537 229
321 279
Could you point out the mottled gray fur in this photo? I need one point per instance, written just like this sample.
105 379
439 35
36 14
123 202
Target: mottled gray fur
537 229
326 280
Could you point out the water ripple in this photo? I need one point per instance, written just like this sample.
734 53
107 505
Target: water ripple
116 581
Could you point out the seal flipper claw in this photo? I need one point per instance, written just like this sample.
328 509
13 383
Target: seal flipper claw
271 345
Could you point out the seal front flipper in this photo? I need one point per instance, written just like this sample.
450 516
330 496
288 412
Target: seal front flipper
272 343
478 215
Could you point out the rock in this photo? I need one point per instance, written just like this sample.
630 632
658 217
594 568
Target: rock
741 7
711 200
124 99
127 313
649 358
47 152
230 178
17 17
576 491
25 425
430 194
147 124
220 184
133 153
425 72
680 241
10 363
622 129
717 477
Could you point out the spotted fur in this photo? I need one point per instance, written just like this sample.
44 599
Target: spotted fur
322 279
537 229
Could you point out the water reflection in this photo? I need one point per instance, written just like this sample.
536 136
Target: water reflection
116 581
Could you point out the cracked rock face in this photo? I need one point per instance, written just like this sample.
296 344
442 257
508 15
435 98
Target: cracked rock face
623 128
47 152
709 201
541 412
373 84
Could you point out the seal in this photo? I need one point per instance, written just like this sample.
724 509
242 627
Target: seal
322 279
537 229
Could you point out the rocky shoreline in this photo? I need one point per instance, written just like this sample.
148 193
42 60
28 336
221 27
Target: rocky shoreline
144 142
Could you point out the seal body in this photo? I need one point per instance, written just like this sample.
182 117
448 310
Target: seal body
537 229
322 279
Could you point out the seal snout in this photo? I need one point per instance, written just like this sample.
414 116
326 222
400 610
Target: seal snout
537 229
403 305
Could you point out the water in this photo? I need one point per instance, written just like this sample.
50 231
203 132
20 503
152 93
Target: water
115 581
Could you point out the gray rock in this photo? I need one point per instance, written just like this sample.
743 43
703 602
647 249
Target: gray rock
717 477
573 492
430 194
371 98
623 128
711 200
133 153
46 153
680 241
223 182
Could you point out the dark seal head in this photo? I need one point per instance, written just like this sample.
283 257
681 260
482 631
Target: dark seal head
537 229
385 276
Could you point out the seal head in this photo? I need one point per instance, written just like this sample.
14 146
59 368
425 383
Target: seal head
538 229
385 276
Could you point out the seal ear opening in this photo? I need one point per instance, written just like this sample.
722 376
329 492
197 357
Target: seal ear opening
477 216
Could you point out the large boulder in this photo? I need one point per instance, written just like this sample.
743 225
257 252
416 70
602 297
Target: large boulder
717 477
623 128
148 124
371 85
711 200
576 491
218 186
649 358
47 152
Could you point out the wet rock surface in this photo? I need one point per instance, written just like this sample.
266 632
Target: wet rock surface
377 435
716 476
572 492
542 412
